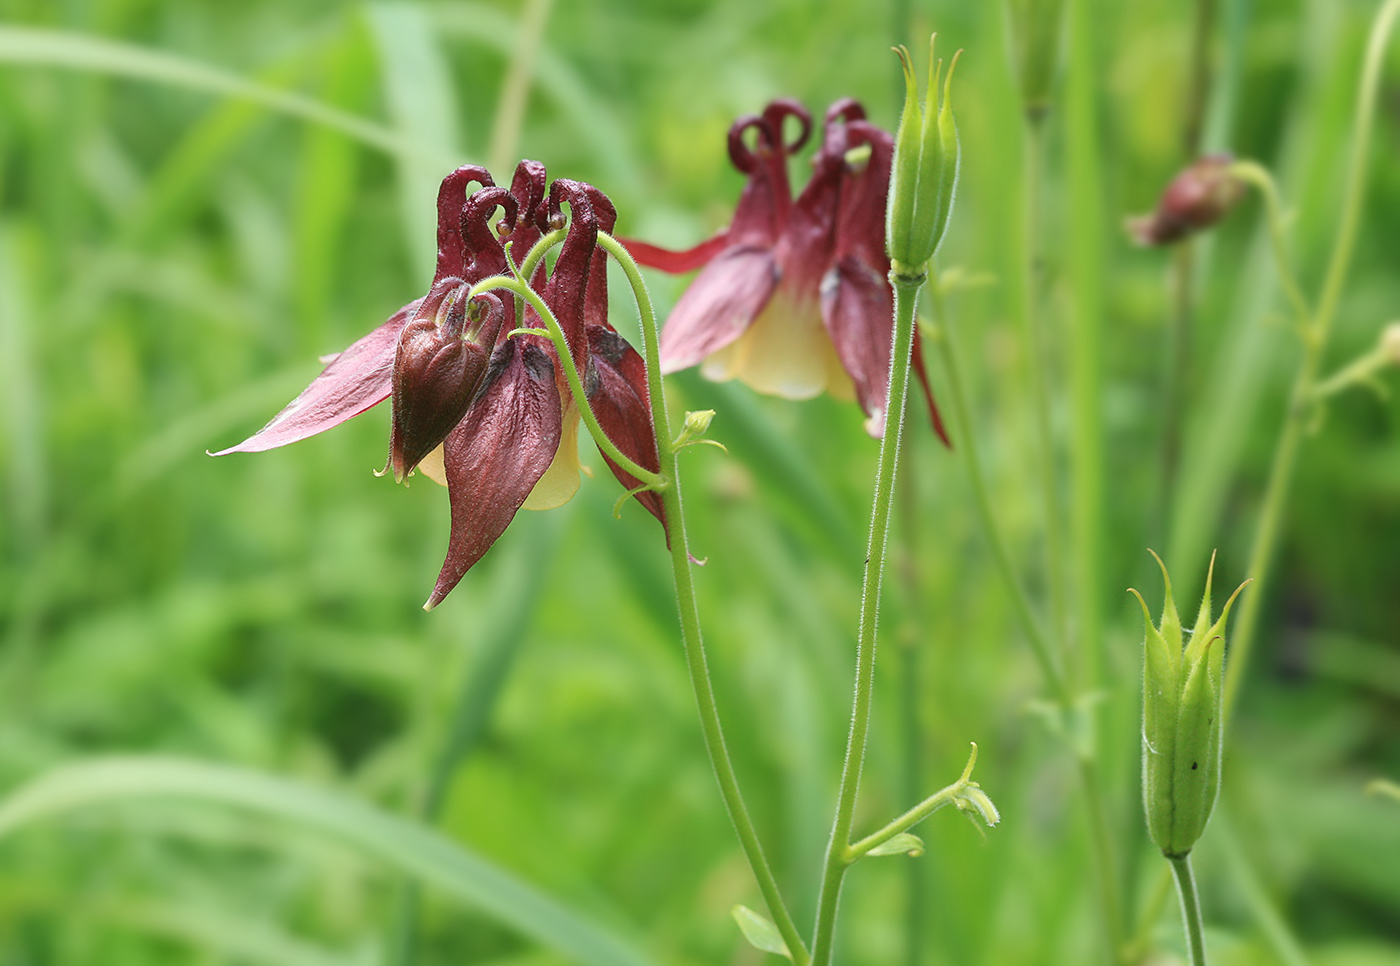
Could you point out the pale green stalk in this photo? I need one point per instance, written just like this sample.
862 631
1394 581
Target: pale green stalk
1315 335
1190 908
1040 369
690 616
906 291
655 481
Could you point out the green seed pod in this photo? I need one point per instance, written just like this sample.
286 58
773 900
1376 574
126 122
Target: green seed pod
925 169
1182 726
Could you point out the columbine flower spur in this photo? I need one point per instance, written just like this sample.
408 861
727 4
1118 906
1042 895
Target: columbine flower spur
477 405
794 296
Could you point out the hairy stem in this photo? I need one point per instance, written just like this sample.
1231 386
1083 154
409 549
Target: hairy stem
906 293
710 724
1190 908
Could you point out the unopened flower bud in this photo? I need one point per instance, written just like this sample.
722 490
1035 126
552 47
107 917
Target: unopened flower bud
925 169
1197 198
1182 726
439 365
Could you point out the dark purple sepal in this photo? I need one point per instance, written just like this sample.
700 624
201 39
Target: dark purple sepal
497 454
617 392
356 380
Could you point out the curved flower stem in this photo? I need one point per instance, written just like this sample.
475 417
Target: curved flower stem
537 251
690 617
655 481
915 815
1315 334
1190 908
906 293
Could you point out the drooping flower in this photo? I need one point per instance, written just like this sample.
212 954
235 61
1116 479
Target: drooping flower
488 414
1198 197
794 296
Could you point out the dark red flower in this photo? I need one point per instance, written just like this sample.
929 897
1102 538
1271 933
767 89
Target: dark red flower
488 415
794 296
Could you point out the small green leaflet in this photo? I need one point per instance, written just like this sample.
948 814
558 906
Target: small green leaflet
759 931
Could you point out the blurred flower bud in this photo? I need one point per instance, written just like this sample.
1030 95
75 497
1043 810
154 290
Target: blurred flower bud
925 170
1035 51
1197 198
1182 727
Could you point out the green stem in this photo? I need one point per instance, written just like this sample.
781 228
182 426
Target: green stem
1041 368
915 815
653 480
515 91
965 442
1315 336
710 724
1141 943
906 293
1105 864
1190 908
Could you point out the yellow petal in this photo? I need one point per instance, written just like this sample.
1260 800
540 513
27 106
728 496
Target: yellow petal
560 482
432 467
786 352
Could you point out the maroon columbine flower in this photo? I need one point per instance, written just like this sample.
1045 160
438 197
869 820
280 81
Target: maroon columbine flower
1197 198
794 297
487 415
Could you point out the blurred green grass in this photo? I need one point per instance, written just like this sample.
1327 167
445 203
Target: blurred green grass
172 262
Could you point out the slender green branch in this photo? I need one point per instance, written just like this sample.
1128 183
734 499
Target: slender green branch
1259 176
651 347
1105 863
965 441
1316 333
944 796
710 724
655 481
1141 943
906 292
1041 368
1190 908
537 251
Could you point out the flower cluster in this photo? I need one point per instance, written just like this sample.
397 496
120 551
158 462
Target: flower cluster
478 405
794 296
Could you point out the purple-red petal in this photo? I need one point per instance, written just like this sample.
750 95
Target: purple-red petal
654 256
858 311
718 306
356 380
618 395
497 454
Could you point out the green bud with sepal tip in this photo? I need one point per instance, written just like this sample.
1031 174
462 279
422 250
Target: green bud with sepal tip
924 173
1182 719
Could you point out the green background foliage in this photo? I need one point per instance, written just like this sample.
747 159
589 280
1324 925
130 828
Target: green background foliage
179 241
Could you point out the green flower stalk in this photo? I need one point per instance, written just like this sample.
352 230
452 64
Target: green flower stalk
925 170
1034 27
1182 727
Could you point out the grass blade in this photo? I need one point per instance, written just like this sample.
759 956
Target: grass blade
409 847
